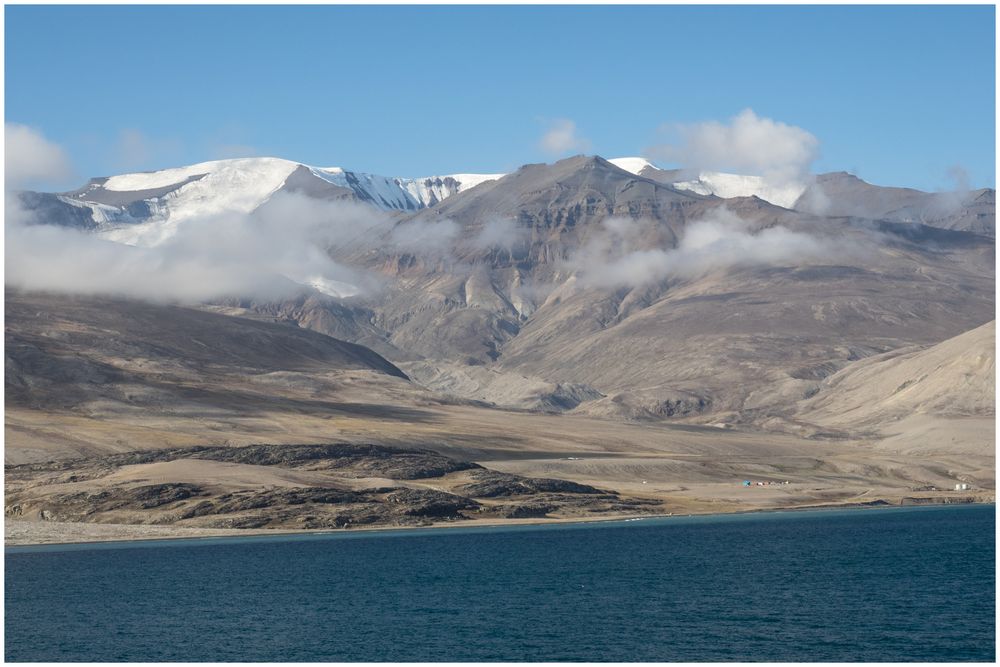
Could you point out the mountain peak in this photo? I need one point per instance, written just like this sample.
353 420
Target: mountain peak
581 162
144 208
573 191
634 165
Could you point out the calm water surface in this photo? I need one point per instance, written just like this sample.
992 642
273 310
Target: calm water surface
863 585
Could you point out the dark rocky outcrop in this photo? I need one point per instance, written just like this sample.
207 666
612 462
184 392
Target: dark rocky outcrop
39 490
492 484
364 460
525 511
81 505
429 503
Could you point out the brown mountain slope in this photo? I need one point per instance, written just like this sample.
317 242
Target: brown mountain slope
48 328
840 193
465 302
730 342
515 316
739 344
917 398
88 357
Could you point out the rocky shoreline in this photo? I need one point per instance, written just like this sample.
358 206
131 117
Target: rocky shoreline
348 486
36 533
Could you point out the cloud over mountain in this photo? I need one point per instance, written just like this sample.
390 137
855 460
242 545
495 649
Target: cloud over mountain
562 138
30 159
748 144
626 252
270 253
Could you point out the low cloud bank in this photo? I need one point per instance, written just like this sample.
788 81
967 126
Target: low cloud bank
286 245
503 233
268 254
621 253
271 253
442 239
428 239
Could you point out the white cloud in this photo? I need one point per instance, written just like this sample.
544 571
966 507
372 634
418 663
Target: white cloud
562 138
268 254
499 233
632 253
424 238
31 160
749 144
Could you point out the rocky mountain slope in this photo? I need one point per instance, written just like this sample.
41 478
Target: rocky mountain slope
508 307
650 320
733 333
843 194
612 287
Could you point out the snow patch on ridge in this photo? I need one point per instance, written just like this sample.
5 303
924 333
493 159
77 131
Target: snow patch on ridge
722 184
633 165
403 193
102 214
241 185
383 191
225 186
235 180
334 288
738 185
431 189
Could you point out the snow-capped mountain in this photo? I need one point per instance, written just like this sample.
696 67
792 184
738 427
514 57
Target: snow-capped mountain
146 208
738 185
716 183
406 194
634 165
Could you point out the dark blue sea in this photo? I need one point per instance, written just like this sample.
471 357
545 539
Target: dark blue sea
904 584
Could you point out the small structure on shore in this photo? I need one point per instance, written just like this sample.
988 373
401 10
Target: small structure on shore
962 487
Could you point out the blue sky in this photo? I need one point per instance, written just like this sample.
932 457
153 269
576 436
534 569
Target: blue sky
898 95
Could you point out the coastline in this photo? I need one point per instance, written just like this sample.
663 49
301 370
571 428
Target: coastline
19 533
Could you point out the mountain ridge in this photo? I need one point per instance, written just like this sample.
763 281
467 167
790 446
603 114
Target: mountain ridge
243 184
616 294
573 320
